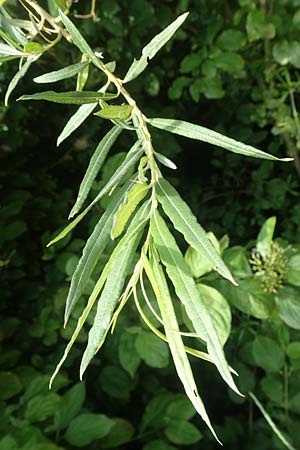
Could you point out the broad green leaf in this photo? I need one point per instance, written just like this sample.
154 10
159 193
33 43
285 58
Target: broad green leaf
152 48
189 295
249 297
293 273
115 112
271 423
42 407
10 385
70 406
293 350
121 433
19 75
288 305
62 74
152 350
128 356
197 261
88 427
218 309
165 161
92 251
182 432
115 382
180 407
185 222
158 281
267 354
236 259
133 198
71 98
95 165
193 131
113 287
79 40
265 236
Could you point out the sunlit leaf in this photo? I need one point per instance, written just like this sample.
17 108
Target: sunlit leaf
189 295
72 97
193 131
152 48
62 74
115 112
19 75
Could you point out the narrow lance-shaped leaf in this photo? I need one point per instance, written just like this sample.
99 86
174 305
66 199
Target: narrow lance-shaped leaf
118 176
75 121
113 288
83 75
165 161
92 251
184 221
95 165
79 40
160 287
132 157
8 50
19 75
62 74
189 295
8 25
193 131
271 423
115 112
71 98
133 198
94 295
152 48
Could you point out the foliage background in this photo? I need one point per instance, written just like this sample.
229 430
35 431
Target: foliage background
226 69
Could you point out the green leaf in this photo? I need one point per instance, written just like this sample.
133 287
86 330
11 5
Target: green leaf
62 74
113 287
8 50
121 433
267 354
293 273
86 428
189 295
75 121
180 408
272 387
115 112
33 47
288 305
42 407
249 297
70 98
83 74
197 261
120 173
70 406
115 382
182 432
92 251
218 309
10 385
8 443
18 76
64 5
231 40
152 350
293 350
128 356
235 257
94 167
157 278
133 197
265 236
148 52
79 40
193 131
165 161
185 222
271 423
